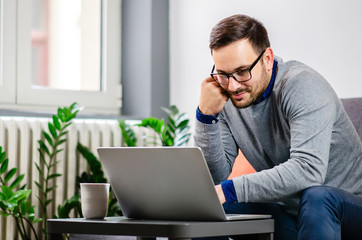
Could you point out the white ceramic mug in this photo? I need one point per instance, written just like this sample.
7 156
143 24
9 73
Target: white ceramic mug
94 199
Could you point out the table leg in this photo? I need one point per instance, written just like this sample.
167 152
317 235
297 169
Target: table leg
55 236
149 238
179 238
266 236
146 238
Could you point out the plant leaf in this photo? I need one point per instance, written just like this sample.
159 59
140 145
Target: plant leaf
61 134
44 148
55 163
61 141
17 181
4 166
172 111
37 220
66 113
2 156
52 130
47 202
6 191
67 125
10 174
183 140
55 175
172 124
40 188
10 205
181 117
19 195
50 189
74 106
23 207
40 171
129 136
61 115
48 138
154 123
73 115
56 122
182 124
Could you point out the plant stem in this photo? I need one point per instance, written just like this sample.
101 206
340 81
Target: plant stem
21 218
52 160
20 228
52 157
32 227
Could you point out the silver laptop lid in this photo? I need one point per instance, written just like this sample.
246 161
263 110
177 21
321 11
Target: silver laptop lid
162 183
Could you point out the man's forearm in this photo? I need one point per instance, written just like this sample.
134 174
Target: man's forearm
207 137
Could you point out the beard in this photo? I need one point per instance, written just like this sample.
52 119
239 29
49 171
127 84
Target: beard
243 102
251 93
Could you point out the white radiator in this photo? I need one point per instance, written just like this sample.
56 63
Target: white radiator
19 136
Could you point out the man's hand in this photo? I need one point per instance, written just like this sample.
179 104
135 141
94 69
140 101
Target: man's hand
213 97
220 193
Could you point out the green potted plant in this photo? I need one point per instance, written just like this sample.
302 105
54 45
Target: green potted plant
14 201
173 133
48 151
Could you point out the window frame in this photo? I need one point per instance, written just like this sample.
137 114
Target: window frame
8 52
22 95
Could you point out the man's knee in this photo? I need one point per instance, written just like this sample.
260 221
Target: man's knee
317 196
316 202
318 213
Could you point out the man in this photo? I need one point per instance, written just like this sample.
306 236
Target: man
292 128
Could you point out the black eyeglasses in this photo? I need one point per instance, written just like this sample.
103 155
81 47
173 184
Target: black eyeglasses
239 76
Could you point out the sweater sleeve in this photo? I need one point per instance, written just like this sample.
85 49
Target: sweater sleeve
309 105
229 191
220 152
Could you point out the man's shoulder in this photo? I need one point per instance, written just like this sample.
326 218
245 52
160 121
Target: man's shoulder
296 76
299 86
294 69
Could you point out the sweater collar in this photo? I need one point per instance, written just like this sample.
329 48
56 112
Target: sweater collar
269 89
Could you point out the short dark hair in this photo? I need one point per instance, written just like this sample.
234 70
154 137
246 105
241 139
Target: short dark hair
239 27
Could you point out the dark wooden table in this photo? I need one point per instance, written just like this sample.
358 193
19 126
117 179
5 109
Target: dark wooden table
263 228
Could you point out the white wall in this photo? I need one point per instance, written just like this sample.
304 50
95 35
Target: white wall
325 34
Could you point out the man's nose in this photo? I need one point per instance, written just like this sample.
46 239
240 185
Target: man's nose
233 84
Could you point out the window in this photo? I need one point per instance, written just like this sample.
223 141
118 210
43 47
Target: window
0 38
64 51
7 52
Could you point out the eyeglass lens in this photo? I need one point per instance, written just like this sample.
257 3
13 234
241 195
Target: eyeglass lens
238 76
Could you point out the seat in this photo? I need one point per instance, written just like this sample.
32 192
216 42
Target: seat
353 107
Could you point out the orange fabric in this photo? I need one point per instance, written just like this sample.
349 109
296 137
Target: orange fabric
241 166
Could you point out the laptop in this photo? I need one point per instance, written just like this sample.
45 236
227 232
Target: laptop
164 183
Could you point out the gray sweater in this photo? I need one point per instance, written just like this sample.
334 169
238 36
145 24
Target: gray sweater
299 137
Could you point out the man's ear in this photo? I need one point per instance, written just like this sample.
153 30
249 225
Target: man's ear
268 59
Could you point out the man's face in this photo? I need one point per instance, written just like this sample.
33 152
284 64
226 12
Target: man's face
240 55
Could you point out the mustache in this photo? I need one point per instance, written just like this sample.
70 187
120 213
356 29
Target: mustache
238 91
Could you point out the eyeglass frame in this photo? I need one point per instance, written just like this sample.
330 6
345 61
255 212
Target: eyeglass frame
228 75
